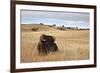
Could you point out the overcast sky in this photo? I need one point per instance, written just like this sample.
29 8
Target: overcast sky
72 19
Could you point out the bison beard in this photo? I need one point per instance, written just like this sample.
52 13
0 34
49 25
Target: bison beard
46 45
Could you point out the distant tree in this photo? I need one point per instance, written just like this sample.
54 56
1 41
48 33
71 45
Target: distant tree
41 24
54 25
62 26
68 27
77 27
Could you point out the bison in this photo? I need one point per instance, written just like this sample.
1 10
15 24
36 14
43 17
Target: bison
46 45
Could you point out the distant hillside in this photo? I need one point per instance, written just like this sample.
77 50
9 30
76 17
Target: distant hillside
42 27
37 27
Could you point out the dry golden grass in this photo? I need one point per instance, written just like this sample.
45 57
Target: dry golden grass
72 44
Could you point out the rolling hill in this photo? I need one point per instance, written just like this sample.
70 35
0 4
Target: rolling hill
37 27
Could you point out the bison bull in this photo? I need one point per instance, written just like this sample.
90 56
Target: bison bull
46 45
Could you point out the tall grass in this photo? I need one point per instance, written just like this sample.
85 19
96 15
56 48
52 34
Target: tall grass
72 44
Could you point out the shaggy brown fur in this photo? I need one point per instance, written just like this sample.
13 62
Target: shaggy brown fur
46 45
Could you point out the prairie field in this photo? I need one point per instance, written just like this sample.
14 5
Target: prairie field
72 44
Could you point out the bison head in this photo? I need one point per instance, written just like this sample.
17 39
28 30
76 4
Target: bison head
47 39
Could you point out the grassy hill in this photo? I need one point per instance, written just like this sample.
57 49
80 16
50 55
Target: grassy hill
37 27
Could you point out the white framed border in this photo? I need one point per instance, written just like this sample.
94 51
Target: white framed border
58 63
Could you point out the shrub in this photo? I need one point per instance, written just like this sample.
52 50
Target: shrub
61 28
34 29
